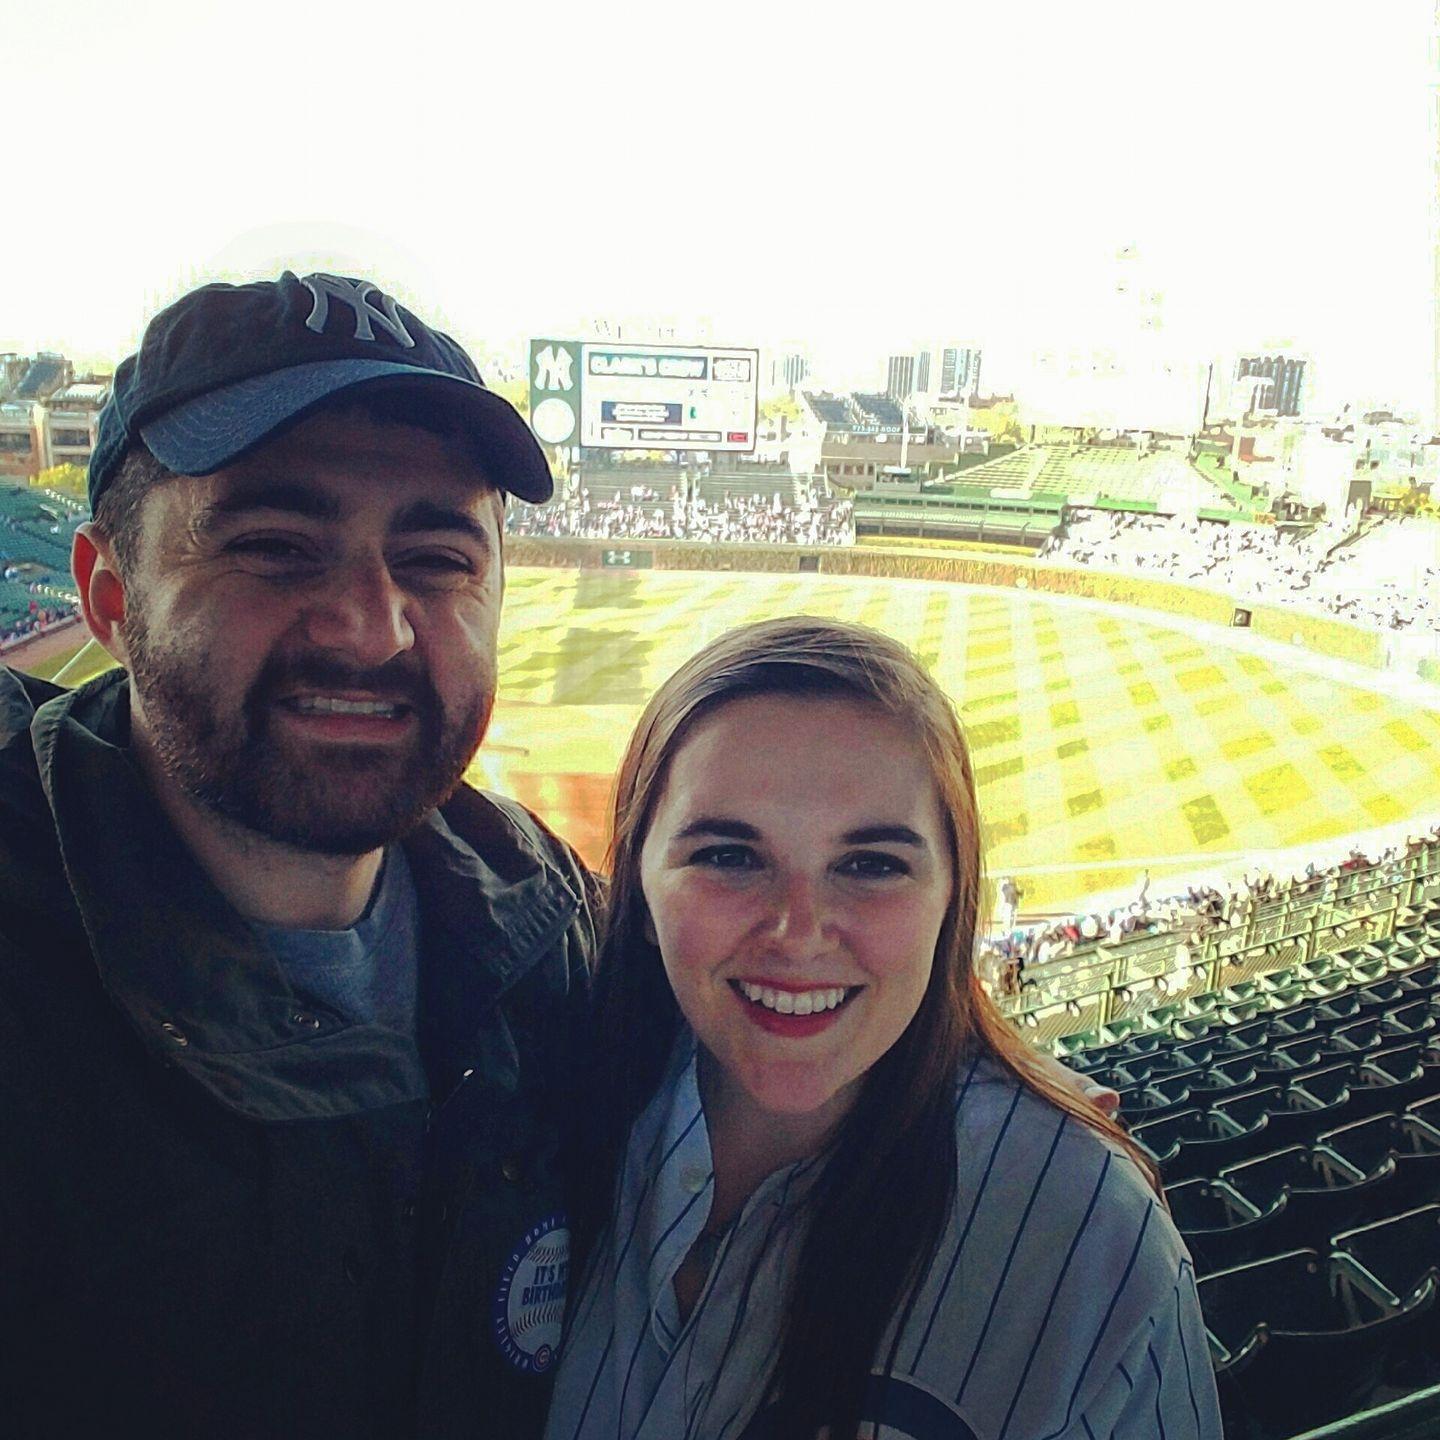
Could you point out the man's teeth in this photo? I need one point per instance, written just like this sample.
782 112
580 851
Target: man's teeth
794 1002
332 705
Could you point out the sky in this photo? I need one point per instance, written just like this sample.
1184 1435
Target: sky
776 174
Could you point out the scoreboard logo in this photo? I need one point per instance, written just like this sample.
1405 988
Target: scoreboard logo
644 397
555 390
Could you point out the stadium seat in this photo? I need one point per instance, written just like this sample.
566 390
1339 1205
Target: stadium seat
1297 1110
1427 1111
1306 1340
1337 1010
1358 1036
1367 969
1195 1053
1423 980
1380 996
1326 1193
1314 1094
1083 1040
1417 1017
1288 999
1197 1142
1167 1062
1243 1037
1391 1079
1162 1017
1306 1052
1293 1023
1402 1251
1162 1095
1197 1027
1282 979
1410 1142
1119 1077
1223 1076
1245 1010
1220 1227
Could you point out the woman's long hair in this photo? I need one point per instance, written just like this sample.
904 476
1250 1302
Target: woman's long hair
890 1167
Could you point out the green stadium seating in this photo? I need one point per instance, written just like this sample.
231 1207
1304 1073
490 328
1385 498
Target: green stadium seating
1304 1339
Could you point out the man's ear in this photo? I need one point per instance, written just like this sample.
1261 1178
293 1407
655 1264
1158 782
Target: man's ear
102 591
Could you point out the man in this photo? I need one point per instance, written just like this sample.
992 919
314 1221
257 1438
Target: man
281 1002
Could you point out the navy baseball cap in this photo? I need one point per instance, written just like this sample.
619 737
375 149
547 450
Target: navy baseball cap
227 366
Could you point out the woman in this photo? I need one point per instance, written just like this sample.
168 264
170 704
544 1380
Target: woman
824 1184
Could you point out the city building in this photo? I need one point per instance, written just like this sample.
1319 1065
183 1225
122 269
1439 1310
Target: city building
19 442
1286 374
860 462
786 372
959 371
900 376
68 423
939 370
47 417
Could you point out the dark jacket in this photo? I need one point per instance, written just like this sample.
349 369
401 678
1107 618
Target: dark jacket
225 1212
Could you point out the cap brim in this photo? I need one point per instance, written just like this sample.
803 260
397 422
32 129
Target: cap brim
219 427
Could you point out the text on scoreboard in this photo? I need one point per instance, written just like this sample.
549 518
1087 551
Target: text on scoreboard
668 397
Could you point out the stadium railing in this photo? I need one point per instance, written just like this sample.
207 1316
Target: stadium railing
1118 988
1415 1417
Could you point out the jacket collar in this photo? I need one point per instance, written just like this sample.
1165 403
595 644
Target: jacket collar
195 982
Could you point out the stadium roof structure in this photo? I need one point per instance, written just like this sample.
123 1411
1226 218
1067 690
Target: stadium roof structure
89 393
833 410
881 409
1098 475
45 375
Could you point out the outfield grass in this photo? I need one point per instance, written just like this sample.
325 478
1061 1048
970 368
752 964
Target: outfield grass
1103 743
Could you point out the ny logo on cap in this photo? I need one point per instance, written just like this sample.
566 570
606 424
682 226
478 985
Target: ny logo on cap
356 294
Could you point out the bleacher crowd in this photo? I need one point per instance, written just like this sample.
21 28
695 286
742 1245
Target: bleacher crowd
35 587
1339 567
15 629
1005 956
643 515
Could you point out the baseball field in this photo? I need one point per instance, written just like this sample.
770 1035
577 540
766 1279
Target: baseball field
1104 742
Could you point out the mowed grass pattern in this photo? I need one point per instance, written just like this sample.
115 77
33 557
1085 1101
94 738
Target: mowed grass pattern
1102 743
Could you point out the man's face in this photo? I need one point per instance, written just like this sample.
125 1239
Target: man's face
311 631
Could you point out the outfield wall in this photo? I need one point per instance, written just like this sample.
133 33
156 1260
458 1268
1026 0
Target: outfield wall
1318 633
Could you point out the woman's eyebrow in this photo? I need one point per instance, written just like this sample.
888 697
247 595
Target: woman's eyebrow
730 829
884 835
718 825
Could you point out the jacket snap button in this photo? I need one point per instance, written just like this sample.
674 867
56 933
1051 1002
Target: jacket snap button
308 1021
693 1180
511 1168
175 1033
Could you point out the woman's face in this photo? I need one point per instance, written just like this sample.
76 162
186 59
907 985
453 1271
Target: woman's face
797 875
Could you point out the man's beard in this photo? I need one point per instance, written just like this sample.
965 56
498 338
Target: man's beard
338 799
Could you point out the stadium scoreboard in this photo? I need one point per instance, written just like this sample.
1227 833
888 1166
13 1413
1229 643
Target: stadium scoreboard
644 397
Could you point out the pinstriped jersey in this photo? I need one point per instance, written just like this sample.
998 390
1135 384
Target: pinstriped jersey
1059 1305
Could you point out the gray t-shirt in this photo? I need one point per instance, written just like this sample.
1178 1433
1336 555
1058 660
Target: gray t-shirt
370 972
